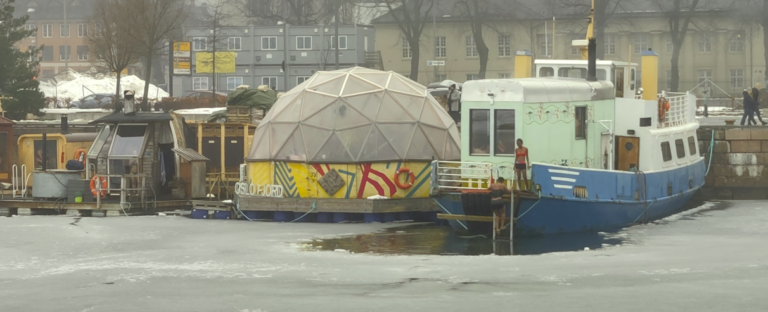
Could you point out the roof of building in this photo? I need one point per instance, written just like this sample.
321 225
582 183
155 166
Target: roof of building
6 121
189 154
138 118
77 10
356 115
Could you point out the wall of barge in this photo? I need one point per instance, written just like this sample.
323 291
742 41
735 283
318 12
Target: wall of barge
360 180
739 162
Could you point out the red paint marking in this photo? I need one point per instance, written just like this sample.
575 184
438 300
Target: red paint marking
365 179
319 169
328 167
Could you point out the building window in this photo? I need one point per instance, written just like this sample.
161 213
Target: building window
471 48
705 76
737 78
64 52
666 151
64 30
200 83
342 42
670 45
439 77
680 147
200 44
641 43
82 30
505 76
269 81
505 45
47 30
737 42
234 43
31 27
692 145
234 82
504 132
472 77
407 52
269 43
610 44
304 43
440 47
580 118
301 79
705 43
479 136
82 53
545 44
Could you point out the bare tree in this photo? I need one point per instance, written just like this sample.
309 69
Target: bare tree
214 19
411 17
477 18
109 37
154 20
679 13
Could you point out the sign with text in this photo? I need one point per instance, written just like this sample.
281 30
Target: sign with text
435 63
225 62
181 58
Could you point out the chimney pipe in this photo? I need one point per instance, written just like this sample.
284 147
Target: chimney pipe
592 60
64 124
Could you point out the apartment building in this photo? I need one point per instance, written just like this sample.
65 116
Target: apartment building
280 56
721 52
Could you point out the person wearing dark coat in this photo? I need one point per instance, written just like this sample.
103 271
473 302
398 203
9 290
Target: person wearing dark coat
756 98
749 109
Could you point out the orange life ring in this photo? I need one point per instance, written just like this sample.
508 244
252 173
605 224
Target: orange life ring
104 186
80 155
663 108
409 182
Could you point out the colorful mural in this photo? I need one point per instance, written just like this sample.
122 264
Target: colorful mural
361 180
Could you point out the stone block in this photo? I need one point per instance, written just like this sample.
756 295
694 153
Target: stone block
24 211
722 147
741 193
114 213
704 134
73 212
719 158
709 180
743 158
5 212
720 134
760 133
99 213
723 193
764 145
722 181
722 171
746 147
737 134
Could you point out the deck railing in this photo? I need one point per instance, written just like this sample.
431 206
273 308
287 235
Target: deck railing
680 107
456 175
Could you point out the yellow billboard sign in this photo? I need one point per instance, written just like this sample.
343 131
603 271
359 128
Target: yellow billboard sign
181 63
225 62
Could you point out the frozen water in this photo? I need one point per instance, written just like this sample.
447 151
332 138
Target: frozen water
709 259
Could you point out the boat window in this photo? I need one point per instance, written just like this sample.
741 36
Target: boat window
572 72
645 122
479 136
546 72
129 140
632 79
666 151
504 132
618 78
99 142
601 74
680 147
581 122
50 154
692 145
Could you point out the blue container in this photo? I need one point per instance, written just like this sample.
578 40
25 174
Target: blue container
324 217
253 215
339 217
405 215
283 216
199 214
372 217
390 217
264 215
222 215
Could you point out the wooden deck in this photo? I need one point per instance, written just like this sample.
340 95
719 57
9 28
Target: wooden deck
108 208
257 203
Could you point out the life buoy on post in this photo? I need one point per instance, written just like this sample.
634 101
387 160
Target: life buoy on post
104 186
663 108
409 181
80 155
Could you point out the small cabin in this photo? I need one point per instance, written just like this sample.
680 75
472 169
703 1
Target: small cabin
623 75
59 148
7 149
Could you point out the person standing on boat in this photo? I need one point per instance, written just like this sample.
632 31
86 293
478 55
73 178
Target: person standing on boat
454 99
521 164
749 109
498 190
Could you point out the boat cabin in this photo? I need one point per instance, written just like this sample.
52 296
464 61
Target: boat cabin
623 75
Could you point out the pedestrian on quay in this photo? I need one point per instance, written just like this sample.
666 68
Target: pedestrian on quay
749 109
756 98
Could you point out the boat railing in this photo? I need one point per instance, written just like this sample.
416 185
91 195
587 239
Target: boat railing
457 175
680 106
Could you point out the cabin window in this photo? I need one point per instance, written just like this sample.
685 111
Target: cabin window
99 142
632 79
581 122
546 72
572 72
618 78
692 145
666 151
50 154
504 132
128 141
479 136
5 152
601 74
645 122
680 147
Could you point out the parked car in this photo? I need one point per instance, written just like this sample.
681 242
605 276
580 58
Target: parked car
96 100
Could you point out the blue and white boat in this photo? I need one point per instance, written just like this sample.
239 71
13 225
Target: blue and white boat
604 154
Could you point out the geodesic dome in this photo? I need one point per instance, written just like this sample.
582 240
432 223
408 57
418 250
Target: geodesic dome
356 115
